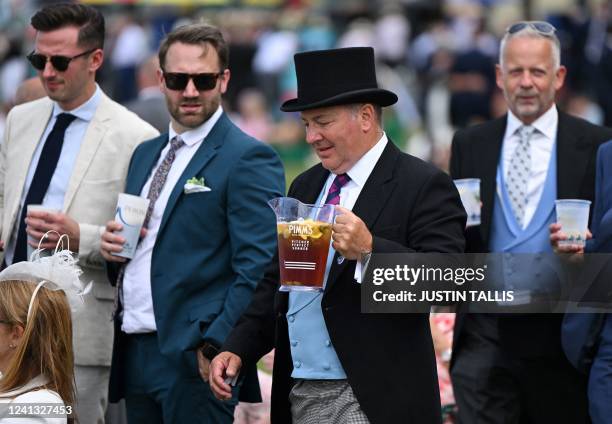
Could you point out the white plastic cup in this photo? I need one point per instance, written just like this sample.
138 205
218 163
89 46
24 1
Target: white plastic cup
38 208
469 190
573 215
130 213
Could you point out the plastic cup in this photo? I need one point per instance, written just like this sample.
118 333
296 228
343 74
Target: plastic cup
573 215
469 190
130 213
38 208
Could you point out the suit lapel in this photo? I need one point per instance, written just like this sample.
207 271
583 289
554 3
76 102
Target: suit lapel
571 150
372 199
147 160
489 149
93 137
28 142
27 145
206 151
378 187
310 193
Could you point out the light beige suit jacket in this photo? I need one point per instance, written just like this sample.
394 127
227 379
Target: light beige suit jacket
91 197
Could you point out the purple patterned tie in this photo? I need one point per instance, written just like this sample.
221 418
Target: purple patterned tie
157 183
333 195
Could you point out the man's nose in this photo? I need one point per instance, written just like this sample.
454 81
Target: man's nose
526 79
312 135
190 89
49 71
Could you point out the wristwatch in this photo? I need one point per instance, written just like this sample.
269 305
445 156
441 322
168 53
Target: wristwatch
209 350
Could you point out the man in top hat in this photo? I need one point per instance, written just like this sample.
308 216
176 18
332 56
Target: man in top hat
334 364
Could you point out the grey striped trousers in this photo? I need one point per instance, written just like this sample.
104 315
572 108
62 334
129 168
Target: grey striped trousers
325 402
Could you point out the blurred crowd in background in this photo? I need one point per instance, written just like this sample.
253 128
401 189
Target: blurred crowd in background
438 55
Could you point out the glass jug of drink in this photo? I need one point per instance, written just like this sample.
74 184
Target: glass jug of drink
304 237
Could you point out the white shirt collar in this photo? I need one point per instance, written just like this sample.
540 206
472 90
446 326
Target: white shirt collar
197 134
360 172
86 111
545 124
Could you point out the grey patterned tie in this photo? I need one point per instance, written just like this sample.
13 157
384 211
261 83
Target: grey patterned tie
157 184
518 173
161 174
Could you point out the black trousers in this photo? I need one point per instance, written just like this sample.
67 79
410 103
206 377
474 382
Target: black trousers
493 387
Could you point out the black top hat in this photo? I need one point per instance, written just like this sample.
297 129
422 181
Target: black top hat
337 77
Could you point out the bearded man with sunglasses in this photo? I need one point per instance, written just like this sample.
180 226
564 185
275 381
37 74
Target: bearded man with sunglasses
69 152
210 235
511 368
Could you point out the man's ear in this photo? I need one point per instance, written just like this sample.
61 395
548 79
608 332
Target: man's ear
160 80
224 80
97 57
499 77
560 77
367 117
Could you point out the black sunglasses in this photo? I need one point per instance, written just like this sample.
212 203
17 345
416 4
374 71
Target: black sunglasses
61 63
202 82
541 27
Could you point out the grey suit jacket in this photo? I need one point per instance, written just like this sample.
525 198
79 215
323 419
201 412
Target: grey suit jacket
91 197
153 110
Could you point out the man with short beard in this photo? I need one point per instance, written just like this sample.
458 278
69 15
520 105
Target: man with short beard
209 233
511 368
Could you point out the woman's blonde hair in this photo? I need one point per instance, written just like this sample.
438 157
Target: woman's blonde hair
46 345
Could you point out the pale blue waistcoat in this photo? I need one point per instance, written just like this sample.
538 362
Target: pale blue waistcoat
524 273
506 235
312 353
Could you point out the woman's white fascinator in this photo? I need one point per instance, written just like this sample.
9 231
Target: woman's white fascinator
56 272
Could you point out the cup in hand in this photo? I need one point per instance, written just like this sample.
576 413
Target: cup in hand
38 208
573 215
469 190
130 213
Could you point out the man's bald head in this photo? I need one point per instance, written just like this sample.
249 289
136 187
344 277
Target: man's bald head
29 90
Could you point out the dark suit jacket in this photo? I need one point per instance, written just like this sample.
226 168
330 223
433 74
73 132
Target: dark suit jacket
476 152
580 332
211 248
408 206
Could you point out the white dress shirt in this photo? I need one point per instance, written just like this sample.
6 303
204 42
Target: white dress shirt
137 300
542 143
73 137
359 174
